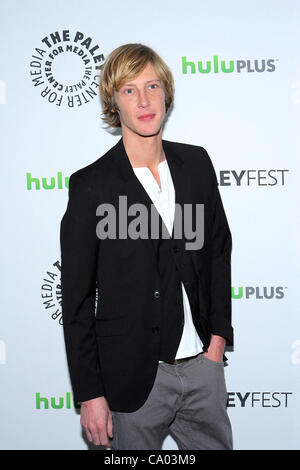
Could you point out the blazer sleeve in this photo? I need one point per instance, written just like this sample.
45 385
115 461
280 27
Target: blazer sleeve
220 312
79 247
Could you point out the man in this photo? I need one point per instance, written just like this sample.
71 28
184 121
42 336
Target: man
146 356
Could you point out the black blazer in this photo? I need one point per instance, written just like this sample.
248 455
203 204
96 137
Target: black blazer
111 346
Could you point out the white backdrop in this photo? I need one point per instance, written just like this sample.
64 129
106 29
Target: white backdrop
244 110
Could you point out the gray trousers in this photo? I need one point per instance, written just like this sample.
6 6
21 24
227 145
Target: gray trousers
187 401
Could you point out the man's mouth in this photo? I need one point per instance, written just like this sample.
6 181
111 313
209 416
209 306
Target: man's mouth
146 117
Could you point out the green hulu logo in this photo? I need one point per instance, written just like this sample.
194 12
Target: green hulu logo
54 183
55 403
227 66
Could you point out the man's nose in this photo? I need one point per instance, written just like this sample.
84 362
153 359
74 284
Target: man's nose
143 98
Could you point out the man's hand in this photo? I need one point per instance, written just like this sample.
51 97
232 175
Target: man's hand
216 347
96 420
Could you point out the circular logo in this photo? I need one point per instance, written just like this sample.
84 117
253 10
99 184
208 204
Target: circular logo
51 292
65 68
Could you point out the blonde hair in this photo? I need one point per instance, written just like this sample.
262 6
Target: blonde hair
126 63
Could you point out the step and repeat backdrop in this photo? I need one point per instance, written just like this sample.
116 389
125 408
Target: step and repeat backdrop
237 74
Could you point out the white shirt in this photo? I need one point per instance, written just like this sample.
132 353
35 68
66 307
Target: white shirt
164 201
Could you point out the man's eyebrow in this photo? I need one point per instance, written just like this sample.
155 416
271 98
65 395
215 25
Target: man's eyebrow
148 81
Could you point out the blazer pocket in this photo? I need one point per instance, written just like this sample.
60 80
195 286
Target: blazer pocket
112 326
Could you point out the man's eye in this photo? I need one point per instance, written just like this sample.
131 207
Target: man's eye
128 91
154 85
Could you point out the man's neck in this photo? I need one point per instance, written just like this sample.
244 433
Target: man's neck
144 151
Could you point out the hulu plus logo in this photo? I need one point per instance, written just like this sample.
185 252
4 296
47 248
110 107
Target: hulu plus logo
258 292
54 182
57 403
217 65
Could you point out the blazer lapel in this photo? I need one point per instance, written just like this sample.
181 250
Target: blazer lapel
135 192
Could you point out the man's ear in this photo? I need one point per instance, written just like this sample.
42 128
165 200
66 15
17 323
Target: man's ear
114 110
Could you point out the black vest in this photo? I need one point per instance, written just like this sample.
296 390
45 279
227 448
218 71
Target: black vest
175 266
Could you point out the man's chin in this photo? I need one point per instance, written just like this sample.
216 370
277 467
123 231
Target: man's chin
142 132
149 134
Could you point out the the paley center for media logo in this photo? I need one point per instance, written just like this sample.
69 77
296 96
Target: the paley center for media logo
51 292
65 67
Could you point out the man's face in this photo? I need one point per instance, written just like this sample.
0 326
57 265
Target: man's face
141 103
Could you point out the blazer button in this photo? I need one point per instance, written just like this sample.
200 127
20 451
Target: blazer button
156 294
155 329
175 249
